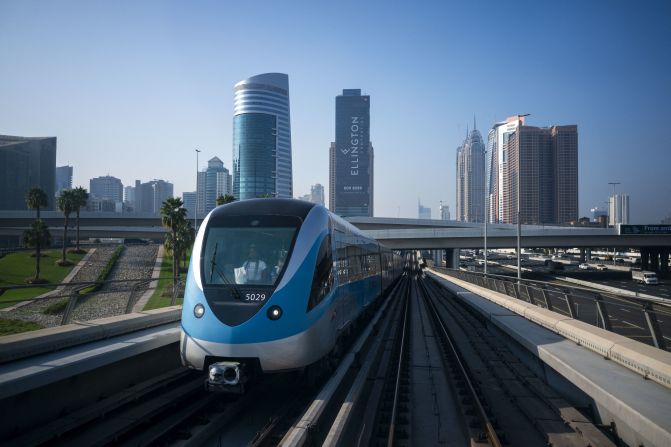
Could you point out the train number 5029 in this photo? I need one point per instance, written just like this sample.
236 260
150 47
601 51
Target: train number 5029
255 296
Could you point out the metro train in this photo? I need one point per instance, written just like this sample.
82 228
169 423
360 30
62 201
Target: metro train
274 285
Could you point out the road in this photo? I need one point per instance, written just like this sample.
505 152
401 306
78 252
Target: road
627 316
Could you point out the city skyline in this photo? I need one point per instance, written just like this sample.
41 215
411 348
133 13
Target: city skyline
158 91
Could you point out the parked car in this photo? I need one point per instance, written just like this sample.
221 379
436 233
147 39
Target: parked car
601 267
584 266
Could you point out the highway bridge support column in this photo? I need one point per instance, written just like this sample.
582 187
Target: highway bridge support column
654 259
582 255
588 254
664 259
452 258
645 258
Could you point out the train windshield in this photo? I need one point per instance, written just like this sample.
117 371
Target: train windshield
247 249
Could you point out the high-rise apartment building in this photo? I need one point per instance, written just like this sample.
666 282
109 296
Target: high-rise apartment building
444 212
496 161
63 179
150 196
618 207
351 174
217 182
316 195
189 200
540 165
106 187
471 178
423 212
262 137
26 163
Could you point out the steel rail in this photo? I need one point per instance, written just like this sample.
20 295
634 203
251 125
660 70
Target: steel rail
404 339
489 428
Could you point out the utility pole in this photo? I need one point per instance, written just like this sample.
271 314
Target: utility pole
195 211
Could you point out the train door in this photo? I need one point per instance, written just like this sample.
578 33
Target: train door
341 278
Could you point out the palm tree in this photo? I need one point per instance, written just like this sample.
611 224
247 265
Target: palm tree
37 236
66 202
80 197
223 200
173 216
186 236
36 198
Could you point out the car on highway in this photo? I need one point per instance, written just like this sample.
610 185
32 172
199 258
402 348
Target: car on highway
584 266
601 267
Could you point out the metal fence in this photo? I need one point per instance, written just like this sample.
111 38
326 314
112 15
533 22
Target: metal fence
641 319
85 301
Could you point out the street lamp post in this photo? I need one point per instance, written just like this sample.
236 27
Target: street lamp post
195 211
486 208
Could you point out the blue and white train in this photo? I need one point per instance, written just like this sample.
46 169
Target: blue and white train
273 285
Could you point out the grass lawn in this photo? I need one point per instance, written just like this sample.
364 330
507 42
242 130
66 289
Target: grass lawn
16 267
162 296
8 327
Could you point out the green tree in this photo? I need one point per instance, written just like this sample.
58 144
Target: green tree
37 236
173 215
223 200
80 197
66 205
36 198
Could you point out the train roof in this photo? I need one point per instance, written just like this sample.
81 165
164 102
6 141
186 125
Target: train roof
280 207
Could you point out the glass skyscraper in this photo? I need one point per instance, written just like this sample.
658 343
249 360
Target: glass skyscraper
262 137
25 163
351 157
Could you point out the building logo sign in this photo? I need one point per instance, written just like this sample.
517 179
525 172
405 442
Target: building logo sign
355 144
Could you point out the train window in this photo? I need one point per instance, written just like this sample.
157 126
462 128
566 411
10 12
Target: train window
248 250
323 277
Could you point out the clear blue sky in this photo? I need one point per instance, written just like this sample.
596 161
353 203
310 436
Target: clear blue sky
131 88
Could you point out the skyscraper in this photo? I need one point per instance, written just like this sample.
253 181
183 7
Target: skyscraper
423 212
618 207
496 161
189 200
106 187
63 179
24 164
316 194
150 196
217 183
352 158
541 165
444 212
471 178
262 137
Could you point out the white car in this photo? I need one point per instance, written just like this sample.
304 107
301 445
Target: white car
601 267
584 266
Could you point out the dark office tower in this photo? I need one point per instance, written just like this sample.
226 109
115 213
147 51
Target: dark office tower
471 178
63 179
26 163
353 174
332 176
262 137
542 167
565 151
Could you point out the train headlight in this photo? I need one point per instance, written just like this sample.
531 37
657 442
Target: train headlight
199 310
274 312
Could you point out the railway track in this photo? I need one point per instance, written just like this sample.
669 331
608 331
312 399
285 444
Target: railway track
424 370
514 401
